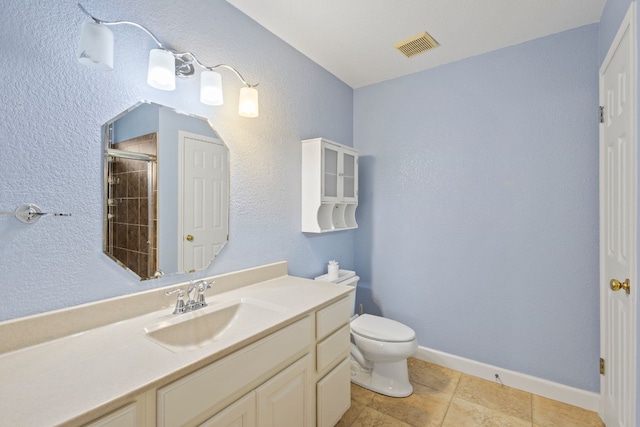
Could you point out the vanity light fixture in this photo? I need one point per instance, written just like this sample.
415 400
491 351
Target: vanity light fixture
211 88
96 51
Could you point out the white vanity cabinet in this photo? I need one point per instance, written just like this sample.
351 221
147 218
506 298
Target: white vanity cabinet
280 362
329 186
333 373
298 376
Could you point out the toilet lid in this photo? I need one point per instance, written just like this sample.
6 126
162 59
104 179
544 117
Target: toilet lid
381 329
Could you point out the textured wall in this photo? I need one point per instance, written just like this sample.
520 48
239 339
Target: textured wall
479 206
50 150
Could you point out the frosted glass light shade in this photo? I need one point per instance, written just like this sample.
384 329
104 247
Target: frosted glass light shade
248 105
162 70
96 46
211 88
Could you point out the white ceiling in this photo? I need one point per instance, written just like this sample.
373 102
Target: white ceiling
354 39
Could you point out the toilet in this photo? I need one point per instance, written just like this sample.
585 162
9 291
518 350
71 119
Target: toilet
379 348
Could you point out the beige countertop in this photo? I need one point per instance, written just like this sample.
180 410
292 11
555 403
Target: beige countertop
75 378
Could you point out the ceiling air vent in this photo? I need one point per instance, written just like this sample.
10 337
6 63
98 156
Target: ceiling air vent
416 44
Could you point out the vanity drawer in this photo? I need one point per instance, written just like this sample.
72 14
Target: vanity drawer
333 317
332 349
206 391
129 416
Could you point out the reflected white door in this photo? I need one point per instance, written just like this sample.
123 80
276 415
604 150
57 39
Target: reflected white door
618 227
203 212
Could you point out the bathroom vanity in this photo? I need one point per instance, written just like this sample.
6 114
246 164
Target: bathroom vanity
268 350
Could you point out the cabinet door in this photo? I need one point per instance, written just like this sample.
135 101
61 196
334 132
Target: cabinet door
348 176
331 157
286 399
334 395
239 414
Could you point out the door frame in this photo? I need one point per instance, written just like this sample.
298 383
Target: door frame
628 24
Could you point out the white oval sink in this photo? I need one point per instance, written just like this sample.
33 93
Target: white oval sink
215 323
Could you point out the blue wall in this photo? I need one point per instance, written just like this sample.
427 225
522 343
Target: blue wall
479 206
141 120
51 153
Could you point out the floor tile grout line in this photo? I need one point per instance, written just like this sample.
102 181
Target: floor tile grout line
531 396
453 395
390 416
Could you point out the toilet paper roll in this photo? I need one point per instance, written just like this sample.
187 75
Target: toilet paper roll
332 271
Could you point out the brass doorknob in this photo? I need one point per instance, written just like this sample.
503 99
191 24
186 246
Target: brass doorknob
616 285
189 238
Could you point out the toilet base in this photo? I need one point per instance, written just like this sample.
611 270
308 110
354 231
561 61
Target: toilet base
388 378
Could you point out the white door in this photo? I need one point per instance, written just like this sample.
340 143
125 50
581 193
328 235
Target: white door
618 227
203 211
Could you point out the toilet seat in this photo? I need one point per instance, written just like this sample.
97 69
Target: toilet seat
381 329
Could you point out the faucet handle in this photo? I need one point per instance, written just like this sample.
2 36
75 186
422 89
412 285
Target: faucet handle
192 302
179 301
203 285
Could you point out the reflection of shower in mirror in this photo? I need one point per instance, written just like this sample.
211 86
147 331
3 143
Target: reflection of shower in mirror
131 204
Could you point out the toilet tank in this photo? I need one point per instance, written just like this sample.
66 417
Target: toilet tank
348 278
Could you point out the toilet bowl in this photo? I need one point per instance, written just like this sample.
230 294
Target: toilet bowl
379 348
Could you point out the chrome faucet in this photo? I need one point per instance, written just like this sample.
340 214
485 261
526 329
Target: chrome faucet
193 303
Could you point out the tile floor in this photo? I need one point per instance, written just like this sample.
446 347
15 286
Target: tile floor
447 398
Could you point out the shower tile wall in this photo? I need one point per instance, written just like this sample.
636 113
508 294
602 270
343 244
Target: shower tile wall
131 235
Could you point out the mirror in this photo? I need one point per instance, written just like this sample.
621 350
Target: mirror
166 191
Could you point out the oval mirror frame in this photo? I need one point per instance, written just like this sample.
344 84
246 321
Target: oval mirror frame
165 191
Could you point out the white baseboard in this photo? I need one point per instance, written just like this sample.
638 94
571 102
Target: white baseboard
573 396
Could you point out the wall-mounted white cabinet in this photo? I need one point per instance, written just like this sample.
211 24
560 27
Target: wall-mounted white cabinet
329 186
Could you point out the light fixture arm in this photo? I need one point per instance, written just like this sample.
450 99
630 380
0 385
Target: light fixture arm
184 60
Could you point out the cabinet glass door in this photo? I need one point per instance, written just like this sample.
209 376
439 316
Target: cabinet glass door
349 177
330 173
